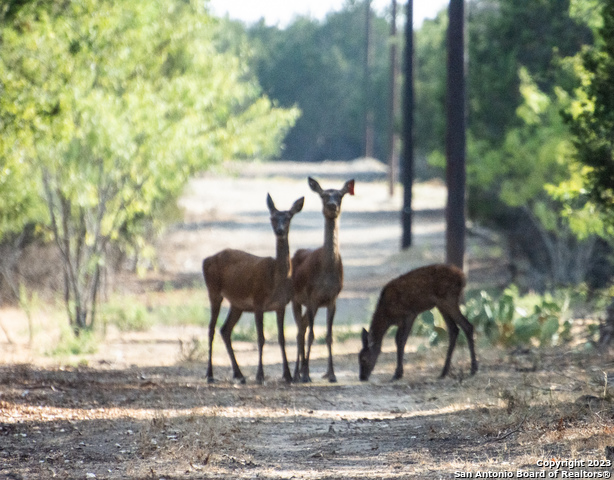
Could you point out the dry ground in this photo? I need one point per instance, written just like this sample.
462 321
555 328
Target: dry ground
137 409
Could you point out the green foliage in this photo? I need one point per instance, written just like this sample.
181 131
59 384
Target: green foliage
591 120
319 67
85 343
106 109
503 36
511 320
430 86
127 318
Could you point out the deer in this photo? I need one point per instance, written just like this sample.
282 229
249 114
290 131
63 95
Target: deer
317 276
252 284
402 300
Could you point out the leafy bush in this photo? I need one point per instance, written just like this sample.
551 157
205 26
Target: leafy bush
507 320
513 320
69 344
127 318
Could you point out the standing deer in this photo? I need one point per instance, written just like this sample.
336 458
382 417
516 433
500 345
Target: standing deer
318 278
400 302
252 284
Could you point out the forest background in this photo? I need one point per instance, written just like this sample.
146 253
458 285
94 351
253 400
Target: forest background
108 108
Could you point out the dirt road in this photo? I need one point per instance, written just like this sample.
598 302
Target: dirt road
136 409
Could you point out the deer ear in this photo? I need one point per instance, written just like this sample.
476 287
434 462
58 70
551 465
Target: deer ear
315 186
349 187
270 204
298 206
365 338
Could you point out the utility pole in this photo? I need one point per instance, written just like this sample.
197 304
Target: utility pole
369 116
393 108
455 136
407 129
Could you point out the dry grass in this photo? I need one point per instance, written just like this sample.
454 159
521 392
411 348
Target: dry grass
167 422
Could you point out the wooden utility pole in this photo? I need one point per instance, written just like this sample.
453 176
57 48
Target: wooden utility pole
369 116
455 136
408 127
393 108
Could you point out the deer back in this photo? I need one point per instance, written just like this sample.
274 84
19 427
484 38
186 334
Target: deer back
247 281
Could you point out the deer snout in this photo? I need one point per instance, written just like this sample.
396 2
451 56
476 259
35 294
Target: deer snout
331 209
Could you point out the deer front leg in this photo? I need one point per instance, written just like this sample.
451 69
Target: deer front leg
260 331
215 311
330 315
401 339
231 320
282 344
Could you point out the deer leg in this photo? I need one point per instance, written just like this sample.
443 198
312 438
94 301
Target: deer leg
231 320
466 326
452 335
300 338
330 315
260 330
215 302
282 344
310 316
401 339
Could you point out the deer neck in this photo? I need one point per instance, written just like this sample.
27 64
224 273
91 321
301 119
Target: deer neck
282 259
331 243
379 327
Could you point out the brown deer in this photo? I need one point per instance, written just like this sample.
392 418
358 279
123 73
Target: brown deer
252 284
318 278
400 302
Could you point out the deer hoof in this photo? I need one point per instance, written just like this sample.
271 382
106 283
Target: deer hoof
210 380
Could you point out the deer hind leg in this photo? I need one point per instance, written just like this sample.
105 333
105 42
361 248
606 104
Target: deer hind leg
454 316
216 302
466 326
452 335
301 325
401 339
310 315
330 315
231 320
282 344
260 330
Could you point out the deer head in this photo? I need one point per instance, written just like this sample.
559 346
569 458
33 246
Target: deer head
367 357
331 198
280 220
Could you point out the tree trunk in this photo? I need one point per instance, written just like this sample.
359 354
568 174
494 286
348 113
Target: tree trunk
408 128
455 136
393 107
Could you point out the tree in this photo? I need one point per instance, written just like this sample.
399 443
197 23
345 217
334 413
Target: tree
319 67
591 120
455 135
108 107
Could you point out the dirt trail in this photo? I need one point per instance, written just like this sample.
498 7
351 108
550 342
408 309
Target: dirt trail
135 410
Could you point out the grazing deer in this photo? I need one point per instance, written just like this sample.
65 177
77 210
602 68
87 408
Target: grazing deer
400 302
252 284
318 278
